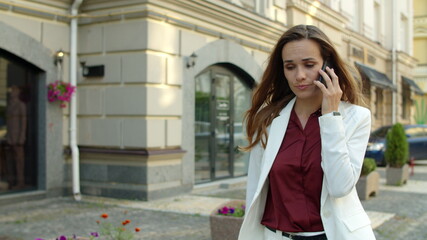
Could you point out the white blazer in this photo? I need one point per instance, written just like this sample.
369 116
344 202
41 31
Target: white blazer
344 139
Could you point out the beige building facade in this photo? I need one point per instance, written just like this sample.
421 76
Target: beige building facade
420 53
162 85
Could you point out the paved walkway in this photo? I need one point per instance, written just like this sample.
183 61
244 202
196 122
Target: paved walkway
198 204
396 213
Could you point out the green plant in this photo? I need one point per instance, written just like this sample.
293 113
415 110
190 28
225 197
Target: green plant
397 147
420 116
369 166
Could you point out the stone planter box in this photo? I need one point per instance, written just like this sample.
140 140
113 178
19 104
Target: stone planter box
225 227
368 186
397 176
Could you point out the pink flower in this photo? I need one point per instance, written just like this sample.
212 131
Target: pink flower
224 210
232 211
60 91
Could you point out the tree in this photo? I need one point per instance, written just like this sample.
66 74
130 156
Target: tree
397 147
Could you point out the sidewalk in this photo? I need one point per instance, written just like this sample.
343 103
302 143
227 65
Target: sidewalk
203 201
396 213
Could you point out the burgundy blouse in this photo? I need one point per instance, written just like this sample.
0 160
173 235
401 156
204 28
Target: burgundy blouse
293 200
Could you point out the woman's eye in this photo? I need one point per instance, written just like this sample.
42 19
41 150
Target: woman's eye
309 65
289 67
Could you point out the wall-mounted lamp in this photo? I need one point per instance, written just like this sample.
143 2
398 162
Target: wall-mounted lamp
191 61
59 56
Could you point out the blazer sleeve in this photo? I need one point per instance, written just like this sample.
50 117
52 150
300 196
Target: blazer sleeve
344 140
254 171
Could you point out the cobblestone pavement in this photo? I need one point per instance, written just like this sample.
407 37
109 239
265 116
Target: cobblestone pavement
186 217
63 216
408 203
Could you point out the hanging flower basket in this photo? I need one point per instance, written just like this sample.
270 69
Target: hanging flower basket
60 91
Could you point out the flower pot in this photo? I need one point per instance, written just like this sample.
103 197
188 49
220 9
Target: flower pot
397 176
225 227
368 185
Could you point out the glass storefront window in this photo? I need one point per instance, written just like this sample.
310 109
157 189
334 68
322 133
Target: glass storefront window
18 129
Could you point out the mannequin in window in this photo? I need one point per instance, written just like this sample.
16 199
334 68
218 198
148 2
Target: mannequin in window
16 115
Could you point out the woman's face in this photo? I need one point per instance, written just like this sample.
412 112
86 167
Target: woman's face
301 63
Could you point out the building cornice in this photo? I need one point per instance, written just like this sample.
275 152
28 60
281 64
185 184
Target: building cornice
356 39
406 59
212 17
421 71
37 9
420 20
420 27
319 11
62 4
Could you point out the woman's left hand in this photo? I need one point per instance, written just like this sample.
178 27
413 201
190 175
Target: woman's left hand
332 92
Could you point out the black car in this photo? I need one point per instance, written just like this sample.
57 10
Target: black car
417 139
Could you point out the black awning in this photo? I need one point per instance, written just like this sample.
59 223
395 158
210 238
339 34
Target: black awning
414 85
375 77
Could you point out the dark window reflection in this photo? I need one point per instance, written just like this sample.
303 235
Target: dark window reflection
18 125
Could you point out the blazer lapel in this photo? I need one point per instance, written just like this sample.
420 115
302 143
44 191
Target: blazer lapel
275 136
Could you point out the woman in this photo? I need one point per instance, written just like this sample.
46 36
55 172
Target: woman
307 142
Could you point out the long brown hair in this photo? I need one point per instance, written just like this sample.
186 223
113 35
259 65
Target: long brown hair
273 92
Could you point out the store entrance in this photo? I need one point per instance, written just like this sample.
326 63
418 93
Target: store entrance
222 98
18 124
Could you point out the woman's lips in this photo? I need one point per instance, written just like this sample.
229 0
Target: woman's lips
302 87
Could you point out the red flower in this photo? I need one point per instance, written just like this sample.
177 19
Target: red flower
125 222
137 229
104 215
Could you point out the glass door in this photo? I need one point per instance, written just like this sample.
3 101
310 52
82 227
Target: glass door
223 129
202 125
221 101
241 102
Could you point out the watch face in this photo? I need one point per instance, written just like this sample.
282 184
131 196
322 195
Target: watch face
336 113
